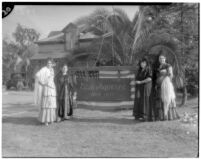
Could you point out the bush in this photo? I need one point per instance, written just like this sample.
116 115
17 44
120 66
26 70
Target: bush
192 78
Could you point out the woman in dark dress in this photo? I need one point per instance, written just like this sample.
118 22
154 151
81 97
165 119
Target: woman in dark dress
64 95
165 106
142 107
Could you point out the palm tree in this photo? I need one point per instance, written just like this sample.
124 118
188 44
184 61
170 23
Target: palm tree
151 30
152 34
115 31
154 31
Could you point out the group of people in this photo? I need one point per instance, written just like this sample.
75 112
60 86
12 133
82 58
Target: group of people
53 95
154 91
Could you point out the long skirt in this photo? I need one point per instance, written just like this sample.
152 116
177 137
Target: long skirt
142 106
47 111
47 115
166 104
159 112
64 108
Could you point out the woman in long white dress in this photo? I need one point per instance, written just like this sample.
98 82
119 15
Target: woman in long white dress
45 93
166 104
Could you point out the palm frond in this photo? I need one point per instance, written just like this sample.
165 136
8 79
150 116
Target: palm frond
118 44
126 23
145 22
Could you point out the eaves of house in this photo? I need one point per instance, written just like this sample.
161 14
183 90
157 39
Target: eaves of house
59 37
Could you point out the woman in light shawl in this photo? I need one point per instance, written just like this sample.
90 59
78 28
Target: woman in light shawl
45 93
165 102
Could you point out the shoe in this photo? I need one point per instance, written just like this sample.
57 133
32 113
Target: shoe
141 119
46 124
66 118
58 119
137 119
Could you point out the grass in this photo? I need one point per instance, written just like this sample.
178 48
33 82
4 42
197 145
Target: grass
93 133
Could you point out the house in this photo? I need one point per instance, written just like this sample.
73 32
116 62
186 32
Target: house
59 45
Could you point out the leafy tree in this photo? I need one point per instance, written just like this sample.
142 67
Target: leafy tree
9 58
16 54
24 38
169 28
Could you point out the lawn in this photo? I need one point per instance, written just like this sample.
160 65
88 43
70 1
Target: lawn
92 133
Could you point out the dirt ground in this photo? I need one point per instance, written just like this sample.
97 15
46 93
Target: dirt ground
92 133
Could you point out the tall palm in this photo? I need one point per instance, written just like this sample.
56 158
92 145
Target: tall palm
115 30
151 20
146 29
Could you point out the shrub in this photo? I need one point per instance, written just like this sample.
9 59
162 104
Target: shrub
192 78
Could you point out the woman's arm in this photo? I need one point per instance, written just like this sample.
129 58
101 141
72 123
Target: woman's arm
144 81
70 84
147 78
170 72
38 76
43 77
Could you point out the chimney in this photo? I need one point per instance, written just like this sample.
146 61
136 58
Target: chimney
70 36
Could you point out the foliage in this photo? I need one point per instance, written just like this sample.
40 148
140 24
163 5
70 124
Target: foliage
115 30
192 80
25 38
172 28
16 54
8 58
167 28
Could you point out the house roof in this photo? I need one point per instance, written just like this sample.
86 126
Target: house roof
56 38
53 33
69 27
88 35
82 28
54 55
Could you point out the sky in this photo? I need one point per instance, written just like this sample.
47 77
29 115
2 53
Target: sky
47 18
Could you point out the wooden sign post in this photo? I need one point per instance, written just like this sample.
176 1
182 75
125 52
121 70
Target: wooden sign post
105 87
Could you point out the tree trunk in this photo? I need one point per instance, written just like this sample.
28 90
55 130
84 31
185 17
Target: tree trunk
184 97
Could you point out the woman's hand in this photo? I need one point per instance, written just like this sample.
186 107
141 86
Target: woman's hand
163 70
138 82
41 83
